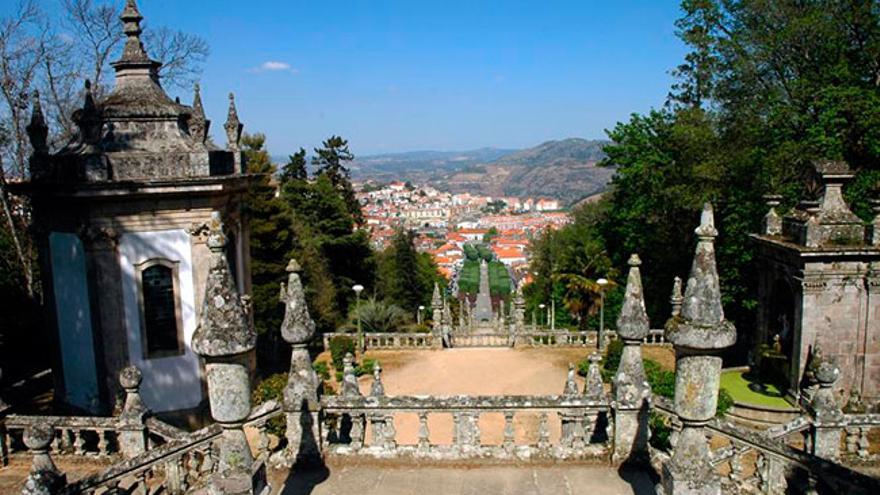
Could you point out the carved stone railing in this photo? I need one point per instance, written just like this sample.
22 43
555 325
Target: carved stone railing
527 338
73 435
564 427
858 437
179 465
388 340
761 462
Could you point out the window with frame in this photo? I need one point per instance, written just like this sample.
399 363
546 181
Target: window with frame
160 309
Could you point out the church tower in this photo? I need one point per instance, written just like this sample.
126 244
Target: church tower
121 215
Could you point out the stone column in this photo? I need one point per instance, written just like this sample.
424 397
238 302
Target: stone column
225 339
44 478
300 403
772 220
698 334
630 385
828 420
131 428
436 316
875 225
519 313
350 388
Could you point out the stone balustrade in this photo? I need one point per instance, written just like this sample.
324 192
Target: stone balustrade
565 427
72 435
388 340
859 431
762 462
527 338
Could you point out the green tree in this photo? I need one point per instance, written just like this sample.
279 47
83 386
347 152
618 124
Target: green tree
406 277
330 162
295 168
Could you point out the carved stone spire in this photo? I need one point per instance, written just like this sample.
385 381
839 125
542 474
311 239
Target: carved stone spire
298 328
702 323
233 125
88 118
131 25
571 388
436 309
224 328
350 386
198 124
772 220
632 324
37 129
698 334
593 388
377 389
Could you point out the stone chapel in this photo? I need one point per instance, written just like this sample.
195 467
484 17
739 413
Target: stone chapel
819 286
121 215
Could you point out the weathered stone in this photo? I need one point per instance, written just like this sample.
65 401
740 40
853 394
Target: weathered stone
630 385
677 297
826 412
571 387
772 220
697 334
224 328
593 386
132 429
44 478
224 338
301 392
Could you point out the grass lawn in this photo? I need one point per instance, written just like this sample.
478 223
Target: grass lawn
738 388
499 279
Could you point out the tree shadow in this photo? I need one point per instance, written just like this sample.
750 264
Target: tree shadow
309 470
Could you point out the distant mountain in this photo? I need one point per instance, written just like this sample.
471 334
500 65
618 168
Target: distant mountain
564 170
419 165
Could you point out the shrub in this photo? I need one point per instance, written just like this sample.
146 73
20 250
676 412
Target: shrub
378 316
725 402
322 369
339 347
660 432
365 368
272 388
662 381
612 359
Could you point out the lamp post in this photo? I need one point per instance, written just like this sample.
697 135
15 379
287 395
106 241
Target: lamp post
357 288
419 315
542 306
601 338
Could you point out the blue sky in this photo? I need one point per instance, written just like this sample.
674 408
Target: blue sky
416 75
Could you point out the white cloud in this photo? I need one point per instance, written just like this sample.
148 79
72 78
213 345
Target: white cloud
274 66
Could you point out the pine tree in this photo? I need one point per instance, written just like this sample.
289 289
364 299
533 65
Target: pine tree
330 162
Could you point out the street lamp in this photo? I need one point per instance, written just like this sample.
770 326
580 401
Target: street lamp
602 283
419 315
542 306
357 288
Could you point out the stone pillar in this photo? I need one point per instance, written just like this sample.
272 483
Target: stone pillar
131 428
384 432
875 225
350 388
436 316
630 385
772 220
519 313
677 298
300 403
698 334
225 339
825 412
44 478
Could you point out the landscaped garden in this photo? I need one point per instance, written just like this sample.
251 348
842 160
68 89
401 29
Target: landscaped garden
744 387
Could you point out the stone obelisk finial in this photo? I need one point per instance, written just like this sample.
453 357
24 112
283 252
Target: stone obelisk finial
630 385
698 334
233 125
225 338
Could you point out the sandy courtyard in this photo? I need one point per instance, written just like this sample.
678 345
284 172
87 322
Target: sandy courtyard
480 371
